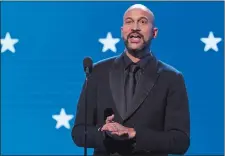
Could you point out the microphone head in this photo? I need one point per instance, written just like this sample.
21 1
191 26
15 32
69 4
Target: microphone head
87 64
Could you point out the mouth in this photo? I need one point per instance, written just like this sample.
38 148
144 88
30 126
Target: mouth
135 38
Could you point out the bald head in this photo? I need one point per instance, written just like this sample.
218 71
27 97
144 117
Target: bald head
143 8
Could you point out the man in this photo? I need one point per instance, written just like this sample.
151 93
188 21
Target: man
137 105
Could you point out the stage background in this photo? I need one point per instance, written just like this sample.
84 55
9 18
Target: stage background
45 72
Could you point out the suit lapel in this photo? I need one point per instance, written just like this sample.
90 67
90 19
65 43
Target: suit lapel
144 86
116 80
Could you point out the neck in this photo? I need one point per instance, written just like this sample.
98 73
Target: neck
137 55
133 59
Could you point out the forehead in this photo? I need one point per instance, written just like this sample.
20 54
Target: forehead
136 13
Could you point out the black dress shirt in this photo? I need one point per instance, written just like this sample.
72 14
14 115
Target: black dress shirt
141 64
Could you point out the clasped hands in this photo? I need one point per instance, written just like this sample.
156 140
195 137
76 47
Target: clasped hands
117 129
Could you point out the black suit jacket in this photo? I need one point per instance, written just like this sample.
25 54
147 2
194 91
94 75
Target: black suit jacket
160 113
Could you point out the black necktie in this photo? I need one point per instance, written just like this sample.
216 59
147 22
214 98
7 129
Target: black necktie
130 85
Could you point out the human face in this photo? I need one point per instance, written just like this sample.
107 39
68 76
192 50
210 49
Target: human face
138 29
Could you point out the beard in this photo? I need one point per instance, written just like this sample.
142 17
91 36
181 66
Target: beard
139 52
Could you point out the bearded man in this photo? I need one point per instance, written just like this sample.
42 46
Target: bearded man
137 104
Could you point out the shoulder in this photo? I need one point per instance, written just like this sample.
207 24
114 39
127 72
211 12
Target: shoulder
169 72
103 65
105 62
164 67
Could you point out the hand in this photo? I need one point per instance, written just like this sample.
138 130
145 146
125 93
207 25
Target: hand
119 130
109 119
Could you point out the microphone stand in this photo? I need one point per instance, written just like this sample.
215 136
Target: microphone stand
87 71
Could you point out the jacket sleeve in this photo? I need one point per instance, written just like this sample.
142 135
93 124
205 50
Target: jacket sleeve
95 138
175 137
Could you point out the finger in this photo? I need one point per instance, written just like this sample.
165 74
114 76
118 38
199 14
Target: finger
115 133
104 128
118 126
109 118
109 127
119 133
107 121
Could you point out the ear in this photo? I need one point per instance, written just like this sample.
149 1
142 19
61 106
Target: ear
155 32
121 31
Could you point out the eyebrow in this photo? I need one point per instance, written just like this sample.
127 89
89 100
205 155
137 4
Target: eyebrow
128 18
138 19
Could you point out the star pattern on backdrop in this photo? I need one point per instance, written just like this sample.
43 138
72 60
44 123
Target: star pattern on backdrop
62 119
109 43
8 43
211 42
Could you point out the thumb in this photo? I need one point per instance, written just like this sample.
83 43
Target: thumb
109 118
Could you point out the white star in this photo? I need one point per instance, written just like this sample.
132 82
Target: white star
62 119
109 42
8 43
211 42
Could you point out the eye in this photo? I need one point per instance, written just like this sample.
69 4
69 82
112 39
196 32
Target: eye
128 21
143 21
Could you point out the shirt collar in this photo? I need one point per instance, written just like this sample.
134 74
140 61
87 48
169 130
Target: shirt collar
142 63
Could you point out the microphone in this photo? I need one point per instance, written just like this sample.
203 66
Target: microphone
87 65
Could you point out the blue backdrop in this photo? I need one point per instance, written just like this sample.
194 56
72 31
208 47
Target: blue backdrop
44 74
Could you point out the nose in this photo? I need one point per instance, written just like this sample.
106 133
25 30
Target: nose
135 27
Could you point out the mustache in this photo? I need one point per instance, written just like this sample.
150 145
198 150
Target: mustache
135 32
